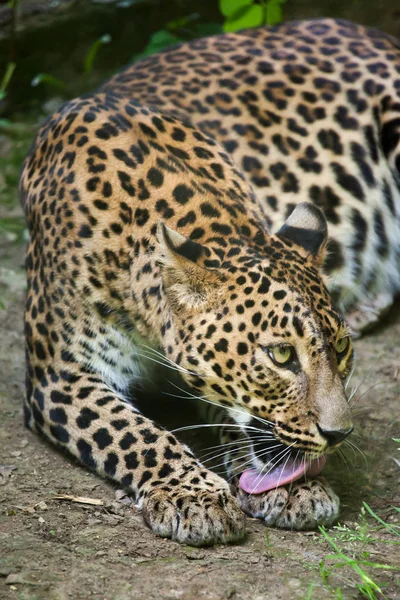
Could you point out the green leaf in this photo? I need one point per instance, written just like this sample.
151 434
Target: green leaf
181 23
158 41
229 7
386 525
203 29
48 79
163 38
10 68
274 13
93 50
252 17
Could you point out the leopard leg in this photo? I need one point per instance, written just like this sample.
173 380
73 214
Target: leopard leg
78 410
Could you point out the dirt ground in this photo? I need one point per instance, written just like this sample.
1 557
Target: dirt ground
56 549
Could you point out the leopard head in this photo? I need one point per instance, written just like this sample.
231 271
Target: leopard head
255 331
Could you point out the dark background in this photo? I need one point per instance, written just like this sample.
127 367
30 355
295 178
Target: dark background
55 36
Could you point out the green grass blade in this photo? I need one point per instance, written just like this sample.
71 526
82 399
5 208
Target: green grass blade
375 516
93 51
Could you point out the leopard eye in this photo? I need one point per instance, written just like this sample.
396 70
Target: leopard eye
342 346
282 356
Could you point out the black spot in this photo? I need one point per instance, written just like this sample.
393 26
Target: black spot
119 424
126 480
123 157
264 286
190 250
37 415
40 351
188 219
359 156
242 348
60 433
347 181
102 438
326 199
298 326
86 416
361 230
155 177
208 210
131 460
39 397
165 471
182 193
58 415
85 452
110 464
211 329
221 345
116 228
279 294
126 183
127 441
380 231
342 117
60 398
387 192
67 356
141 216
84 392
148 436
178 134
329 139
150 458
145 477
85 231
101 205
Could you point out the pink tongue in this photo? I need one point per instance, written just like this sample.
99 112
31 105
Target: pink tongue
253 483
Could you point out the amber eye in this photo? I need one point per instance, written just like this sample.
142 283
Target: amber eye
342 346
282 355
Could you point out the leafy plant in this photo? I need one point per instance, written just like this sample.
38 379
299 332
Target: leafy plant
48 80
394 529
361 534
368 588
14 226
158 41
355 556
179 30
241 14
55 82
93 51
10 68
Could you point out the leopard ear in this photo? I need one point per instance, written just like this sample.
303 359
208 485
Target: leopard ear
187 281
306 227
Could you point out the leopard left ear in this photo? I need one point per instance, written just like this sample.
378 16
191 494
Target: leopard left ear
187 281
306 227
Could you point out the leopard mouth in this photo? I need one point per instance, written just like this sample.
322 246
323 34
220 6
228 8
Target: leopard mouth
291 469
281 465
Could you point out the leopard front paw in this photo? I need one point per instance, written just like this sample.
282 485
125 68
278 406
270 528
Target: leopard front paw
201 518
304 505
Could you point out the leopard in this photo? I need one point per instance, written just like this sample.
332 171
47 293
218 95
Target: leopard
228 210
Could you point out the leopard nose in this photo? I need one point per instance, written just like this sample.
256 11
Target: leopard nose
335 437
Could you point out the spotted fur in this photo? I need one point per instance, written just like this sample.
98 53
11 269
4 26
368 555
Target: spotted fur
150 204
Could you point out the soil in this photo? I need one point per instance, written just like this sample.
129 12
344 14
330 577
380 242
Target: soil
57 549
